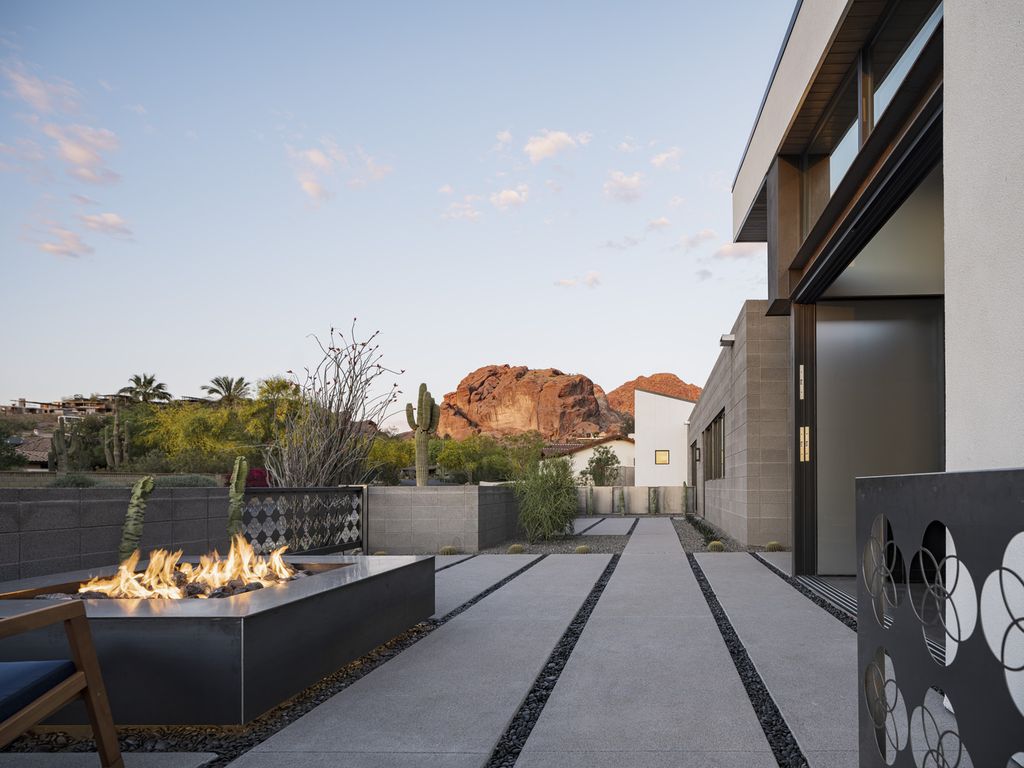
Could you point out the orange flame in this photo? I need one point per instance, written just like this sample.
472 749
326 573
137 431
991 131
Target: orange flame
166 577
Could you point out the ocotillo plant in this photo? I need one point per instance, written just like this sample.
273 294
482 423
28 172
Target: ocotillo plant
427 414
131 531
236 497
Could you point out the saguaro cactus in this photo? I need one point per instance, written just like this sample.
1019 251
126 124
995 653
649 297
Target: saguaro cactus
236 496
131 531
424 421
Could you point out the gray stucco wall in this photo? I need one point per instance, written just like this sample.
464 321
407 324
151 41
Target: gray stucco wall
48 530
751 382
408 520
983 159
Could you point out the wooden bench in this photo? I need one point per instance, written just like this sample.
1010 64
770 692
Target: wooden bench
31 691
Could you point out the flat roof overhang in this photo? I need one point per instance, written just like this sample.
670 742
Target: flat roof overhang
823 42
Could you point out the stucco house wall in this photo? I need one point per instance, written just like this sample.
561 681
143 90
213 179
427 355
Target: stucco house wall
660 424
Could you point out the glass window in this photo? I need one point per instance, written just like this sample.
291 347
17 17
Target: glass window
661 457
899 43
832 150
714 448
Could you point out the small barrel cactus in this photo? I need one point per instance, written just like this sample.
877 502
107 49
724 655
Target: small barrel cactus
380 552
582 549
516 549
774 546
716 546
448 551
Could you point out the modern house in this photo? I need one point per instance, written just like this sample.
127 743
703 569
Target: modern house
579 455
884 173
659 423
740 454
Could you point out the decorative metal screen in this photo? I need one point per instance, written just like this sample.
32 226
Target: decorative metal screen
309 520
941 620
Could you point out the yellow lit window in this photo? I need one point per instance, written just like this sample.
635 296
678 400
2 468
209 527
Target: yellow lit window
661 457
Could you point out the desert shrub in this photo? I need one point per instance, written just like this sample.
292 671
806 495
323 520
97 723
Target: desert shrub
774 546
582 549
516 549
547 499
185 481
448 551
602 468
72 481
716 546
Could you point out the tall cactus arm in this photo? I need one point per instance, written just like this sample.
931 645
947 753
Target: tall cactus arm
435 417
423 411
409 416
134 518
236 496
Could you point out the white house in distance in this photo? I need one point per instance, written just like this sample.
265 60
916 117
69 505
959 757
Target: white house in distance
579 456
660 437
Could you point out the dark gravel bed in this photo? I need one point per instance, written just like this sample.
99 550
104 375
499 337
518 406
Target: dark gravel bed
704 532
818 600
230 743
599 545
787 752
507 750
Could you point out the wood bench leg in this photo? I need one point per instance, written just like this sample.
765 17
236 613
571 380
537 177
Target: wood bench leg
95 694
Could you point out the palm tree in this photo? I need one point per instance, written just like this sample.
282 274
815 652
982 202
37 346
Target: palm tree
277 388
144 388
227 389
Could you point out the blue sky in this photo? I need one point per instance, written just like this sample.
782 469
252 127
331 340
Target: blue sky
193 188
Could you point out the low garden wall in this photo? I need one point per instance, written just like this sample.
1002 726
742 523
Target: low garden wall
48 530
406 520
631 500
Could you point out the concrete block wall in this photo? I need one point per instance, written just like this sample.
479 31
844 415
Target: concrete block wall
49 530
605 500
410 520
751 383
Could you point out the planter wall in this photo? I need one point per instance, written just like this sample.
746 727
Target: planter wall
405 520
630 500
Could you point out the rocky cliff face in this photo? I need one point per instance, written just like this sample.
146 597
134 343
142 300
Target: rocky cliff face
621 398
504 400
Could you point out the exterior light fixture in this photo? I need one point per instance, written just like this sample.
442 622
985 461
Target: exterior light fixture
727 340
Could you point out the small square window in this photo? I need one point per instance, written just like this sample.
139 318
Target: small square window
661 457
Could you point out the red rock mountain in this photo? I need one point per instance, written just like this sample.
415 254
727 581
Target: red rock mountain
504 400
621 398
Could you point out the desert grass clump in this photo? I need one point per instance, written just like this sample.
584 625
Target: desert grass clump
582 549
72 481
716 546
516 549
448 551
547 499
774 546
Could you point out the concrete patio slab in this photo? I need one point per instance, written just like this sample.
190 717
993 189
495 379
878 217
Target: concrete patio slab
447 699
781 560
806 657
92 760
650 682
454 586
443 561
612 526
653 536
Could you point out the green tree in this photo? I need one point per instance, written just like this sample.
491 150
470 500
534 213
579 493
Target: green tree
476 458
602 467
144 388
198 437
388 457
9 456
524 451
228 390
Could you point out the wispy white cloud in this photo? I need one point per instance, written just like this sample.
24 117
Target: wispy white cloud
689 242
106 86
312 187
667 160
627 145
83 200
504 139
584 138
46 96
510 198
623 187
553 185
24 156
658 224
677 201
704 274
369 170
81 147
741 251
107 223
445 189
463 211
316 164
550 143
64 242
590 280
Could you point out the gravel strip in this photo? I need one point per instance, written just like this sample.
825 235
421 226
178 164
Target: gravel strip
452 565
599 545
507 750
787 752
814 597
231 742
707 532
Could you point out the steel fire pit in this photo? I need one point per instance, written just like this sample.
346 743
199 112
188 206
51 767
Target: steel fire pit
227 661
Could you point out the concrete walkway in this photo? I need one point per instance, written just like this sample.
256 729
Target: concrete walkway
612 526
454 586
806 657
446 700
653 536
